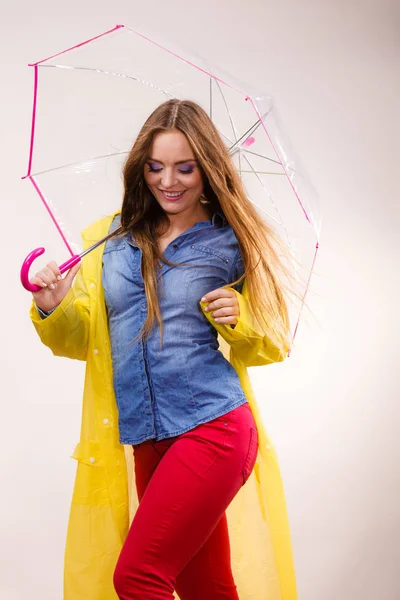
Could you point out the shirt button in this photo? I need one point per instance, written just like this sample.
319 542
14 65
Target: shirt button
268 447
105 421
92 459
175 245
92 285
95 351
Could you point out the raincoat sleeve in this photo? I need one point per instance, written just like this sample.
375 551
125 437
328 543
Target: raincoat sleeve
246 339
66 330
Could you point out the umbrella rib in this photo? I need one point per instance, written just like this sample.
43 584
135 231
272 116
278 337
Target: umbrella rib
251 129
104 72
265 212
225 136
269 159
81 162
271 200
220 132
262 172
227 109
276 162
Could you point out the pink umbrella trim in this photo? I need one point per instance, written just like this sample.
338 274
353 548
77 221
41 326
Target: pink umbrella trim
245 144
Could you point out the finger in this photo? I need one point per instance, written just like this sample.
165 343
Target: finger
221 303
50 277
38 281
42 275
218 293
226 320
55 269
225 312
72 272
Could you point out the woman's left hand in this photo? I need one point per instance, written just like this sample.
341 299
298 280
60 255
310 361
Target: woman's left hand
223 305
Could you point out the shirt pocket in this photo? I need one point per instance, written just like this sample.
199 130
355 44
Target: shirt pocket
131 254
251 455
209 270
115 245
210 251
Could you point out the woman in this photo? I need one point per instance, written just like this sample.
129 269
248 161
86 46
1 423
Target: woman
190 260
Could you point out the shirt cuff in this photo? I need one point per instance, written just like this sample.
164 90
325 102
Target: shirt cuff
43 313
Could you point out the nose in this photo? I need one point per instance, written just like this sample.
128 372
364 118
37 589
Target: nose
168 178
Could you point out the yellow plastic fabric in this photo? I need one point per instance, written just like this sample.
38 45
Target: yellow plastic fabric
104 497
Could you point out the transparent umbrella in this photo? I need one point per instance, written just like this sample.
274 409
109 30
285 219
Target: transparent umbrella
90 102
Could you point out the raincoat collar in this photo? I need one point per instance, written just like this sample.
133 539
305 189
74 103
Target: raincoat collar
90 234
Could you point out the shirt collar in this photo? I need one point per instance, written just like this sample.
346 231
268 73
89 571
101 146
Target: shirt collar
218 218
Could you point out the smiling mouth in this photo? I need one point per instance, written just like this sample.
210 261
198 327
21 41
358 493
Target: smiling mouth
172 195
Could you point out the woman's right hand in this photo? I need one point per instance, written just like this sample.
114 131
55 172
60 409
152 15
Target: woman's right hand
54 286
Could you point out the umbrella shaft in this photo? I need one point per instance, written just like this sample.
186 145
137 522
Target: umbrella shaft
97 244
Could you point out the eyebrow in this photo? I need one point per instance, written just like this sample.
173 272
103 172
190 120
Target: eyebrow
180 162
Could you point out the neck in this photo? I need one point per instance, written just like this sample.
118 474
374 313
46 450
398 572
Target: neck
183 221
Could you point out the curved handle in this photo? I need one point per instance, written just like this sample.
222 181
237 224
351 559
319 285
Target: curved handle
32 287
26 265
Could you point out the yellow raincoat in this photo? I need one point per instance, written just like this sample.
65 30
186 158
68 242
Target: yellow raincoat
104 497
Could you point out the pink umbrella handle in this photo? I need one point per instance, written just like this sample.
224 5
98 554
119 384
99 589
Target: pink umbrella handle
31 287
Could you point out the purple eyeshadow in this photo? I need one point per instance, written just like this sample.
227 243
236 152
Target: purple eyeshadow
154 166
184 169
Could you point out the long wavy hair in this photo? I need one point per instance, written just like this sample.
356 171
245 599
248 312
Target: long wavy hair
262 251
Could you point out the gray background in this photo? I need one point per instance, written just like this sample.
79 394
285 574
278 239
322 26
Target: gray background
333 70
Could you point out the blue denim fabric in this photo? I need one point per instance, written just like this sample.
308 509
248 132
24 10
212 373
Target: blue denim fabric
165 392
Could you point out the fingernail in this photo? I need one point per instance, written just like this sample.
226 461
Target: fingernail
203 299
52 286
59 277
206 309
217 320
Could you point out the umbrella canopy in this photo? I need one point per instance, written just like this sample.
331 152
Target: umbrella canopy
90 102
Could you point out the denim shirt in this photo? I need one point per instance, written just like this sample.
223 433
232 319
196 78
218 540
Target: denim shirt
165 392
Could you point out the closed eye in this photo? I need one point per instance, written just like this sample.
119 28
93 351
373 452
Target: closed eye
183 171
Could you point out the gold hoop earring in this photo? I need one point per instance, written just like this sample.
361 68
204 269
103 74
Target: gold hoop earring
203 199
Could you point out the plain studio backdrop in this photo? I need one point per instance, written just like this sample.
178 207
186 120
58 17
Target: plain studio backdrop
333 71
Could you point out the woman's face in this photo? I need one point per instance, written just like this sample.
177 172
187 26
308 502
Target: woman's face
172 172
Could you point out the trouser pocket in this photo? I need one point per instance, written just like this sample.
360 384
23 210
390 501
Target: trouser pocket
251 455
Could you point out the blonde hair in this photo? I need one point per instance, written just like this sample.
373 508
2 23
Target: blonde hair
259 245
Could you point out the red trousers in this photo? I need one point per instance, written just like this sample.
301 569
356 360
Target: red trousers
179 539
